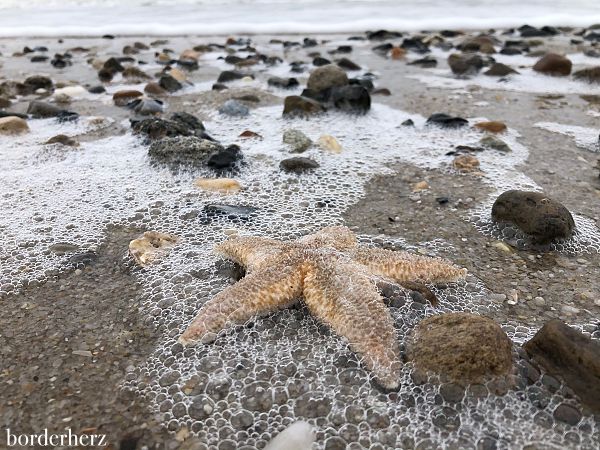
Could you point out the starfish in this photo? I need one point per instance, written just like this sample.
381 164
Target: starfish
336 278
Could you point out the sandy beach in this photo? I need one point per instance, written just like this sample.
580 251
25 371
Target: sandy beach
88 339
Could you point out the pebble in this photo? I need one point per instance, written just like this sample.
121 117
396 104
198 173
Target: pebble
329 143
297 140
12 125
298 164
234 108
224 185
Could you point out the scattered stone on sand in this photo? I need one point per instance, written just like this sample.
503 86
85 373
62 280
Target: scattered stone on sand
249 134
329 143
492 126
427 62
36 82
351 99
420 186
494 143
537 215
326 77
565 352
223 185
231 75
183 150
568 414
179 124
146 106
297 140
12 125
298 106
499 70
482 44
298 164
283 83
234 108
135 75
155 89
466 163
553 64
461 347
42 110
121 98
169 83
151 246
63 139
468 64
397 53
446 121
226 158
382 91
591 74
348 64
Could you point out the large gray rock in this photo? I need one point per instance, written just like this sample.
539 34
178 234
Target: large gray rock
326 77
183 150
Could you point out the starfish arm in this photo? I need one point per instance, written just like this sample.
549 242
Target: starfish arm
258 293
252 252
339 238
342 297
404 266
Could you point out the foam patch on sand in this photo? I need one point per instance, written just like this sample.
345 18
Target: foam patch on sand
526 81
586 138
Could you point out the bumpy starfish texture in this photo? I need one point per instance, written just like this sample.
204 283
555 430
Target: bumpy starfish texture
337 280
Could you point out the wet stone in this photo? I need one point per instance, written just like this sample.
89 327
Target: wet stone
567 414
201 408
257 397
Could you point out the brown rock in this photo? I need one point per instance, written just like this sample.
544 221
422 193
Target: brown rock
4 102
12 125
461 347
499 70
153 88
465 64
465 163
591 75
135 74
553 64
296 105
567 353
483 44
492 127
64 140
326 77
121 98
398 53
535 214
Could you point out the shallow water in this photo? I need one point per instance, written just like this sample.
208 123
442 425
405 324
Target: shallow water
210 17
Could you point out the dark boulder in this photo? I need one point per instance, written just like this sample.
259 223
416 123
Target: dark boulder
537 215
553 64
499 70
465 64
567 353
225 158
446 121
298 106
283 83
351 99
